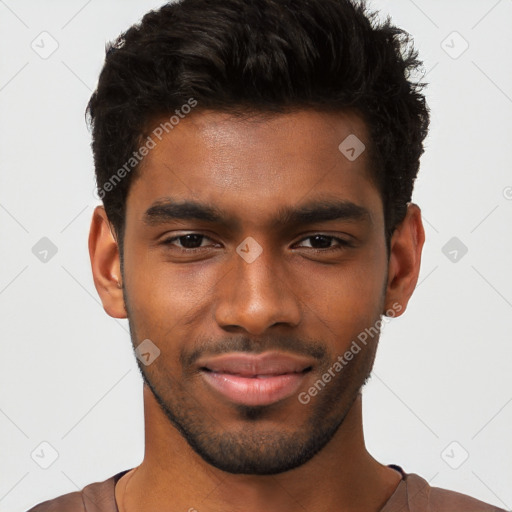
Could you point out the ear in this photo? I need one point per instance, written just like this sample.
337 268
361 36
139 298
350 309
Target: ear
404 260
105 263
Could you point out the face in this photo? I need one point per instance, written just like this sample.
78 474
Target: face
254 258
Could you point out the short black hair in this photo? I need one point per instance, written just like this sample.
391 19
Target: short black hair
260 56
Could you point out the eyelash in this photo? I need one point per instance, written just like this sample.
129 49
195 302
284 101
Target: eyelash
343 244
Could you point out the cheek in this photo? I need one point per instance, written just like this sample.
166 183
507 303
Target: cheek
352 306
350 300
164 296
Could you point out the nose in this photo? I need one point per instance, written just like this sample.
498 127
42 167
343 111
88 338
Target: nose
256 296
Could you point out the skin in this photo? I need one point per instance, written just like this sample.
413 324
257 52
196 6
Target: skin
296 297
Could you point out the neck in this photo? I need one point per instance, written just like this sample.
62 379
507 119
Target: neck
342 476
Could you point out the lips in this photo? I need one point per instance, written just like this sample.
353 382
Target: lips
255 379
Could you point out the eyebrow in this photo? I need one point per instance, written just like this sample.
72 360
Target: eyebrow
167 210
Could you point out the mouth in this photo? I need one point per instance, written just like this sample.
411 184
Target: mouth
252 380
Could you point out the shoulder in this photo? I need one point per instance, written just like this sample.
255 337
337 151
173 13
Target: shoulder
421 496
445 500
93 497
72 502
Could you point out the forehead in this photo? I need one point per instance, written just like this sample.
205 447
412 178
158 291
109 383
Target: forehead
258 164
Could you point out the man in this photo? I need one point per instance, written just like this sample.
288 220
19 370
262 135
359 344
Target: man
256 161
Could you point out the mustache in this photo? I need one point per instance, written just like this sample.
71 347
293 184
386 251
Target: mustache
213 347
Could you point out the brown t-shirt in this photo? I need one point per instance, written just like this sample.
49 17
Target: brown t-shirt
413 494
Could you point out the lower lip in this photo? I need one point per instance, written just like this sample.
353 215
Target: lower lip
254 390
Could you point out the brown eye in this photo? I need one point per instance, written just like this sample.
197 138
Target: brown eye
188 241
320 242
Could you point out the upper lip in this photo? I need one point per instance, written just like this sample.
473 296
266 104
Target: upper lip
247 365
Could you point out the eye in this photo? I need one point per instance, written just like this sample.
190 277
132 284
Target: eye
189 241
323 242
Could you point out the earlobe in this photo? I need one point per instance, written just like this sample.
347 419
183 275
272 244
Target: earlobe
105 264
404 260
